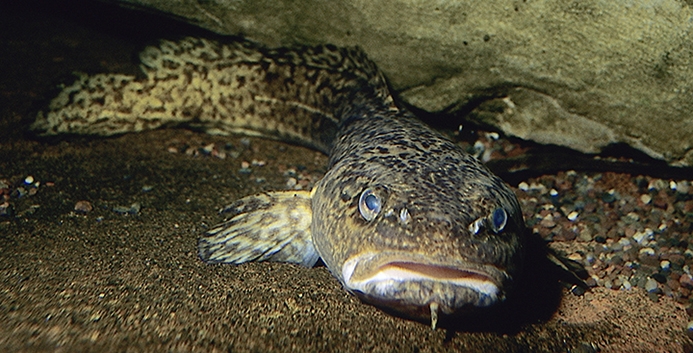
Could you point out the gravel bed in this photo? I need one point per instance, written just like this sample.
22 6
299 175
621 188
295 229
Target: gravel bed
629 231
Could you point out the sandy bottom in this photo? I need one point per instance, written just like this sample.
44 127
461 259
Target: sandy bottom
118 277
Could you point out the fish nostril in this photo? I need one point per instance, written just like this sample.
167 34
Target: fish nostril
404 216
345 197
475 227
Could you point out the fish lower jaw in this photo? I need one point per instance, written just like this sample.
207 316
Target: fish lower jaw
411 287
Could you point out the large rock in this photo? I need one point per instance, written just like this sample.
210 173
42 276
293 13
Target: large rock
580 74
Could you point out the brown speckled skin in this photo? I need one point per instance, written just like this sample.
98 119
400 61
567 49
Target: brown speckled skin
222 88
334 100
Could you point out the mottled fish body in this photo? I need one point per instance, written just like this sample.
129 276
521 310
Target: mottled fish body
404 218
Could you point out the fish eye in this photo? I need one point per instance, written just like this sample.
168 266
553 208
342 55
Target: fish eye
499 218
496 221
369 204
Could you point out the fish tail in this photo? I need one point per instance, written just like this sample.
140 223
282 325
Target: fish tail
220 88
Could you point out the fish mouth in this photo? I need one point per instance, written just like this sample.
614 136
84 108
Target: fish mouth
411 284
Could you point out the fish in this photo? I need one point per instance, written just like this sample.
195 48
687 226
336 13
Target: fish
403 218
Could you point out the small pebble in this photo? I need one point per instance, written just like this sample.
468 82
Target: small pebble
609 196
29 180
291 172
5 209
642 236
646 199
219 154
683 187
686 280
133 209
585 234
83 206
245 168
121 209
689 254
20 192
623 245
539 188
572 216
648 256
651 285
548 222
616 260
494 136
523 186
659 278
208 148
631 217
656 185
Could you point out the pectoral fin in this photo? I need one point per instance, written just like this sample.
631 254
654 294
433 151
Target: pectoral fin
569 271
264 227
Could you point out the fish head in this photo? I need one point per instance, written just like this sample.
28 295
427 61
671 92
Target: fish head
419 236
